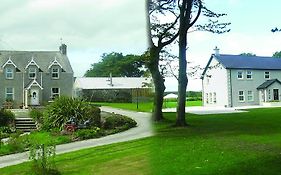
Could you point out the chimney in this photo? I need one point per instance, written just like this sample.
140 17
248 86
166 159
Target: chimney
217 51
63 49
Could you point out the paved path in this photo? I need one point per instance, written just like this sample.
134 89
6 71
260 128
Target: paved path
201 110
143 129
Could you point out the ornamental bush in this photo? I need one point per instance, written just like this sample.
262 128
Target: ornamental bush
95 116
64 108
6 117
88 133
116 121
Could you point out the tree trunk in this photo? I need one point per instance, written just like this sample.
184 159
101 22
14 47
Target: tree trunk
182 82
159 85
182 79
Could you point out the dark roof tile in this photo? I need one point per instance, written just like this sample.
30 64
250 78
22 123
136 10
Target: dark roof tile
267 83
249 62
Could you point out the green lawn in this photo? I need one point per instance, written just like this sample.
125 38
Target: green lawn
147 107
227 144
223 144
128 158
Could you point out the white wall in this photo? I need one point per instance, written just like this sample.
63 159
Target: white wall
215 81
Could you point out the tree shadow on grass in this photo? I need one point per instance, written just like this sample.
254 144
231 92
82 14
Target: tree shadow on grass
254 122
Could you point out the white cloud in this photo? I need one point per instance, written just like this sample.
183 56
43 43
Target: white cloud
88 27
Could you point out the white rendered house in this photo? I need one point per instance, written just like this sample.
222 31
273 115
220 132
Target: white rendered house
237 80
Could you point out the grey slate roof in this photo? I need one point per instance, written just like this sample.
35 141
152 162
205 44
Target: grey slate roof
268 83
249 62
245 62
42 58
117 82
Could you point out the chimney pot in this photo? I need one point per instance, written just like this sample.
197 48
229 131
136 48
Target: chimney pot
217 51
63 49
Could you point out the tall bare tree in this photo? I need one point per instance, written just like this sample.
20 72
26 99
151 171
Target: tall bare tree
160 34
187 19
168 19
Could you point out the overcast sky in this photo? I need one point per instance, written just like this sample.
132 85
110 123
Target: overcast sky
93 27
88 27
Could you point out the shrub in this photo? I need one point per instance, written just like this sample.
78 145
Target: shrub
62 109
36 115
18 143
42 153
88 133
6 117
116 120
95 116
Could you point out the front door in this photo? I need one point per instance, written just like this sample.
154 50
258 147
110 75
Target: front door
34 96
275 94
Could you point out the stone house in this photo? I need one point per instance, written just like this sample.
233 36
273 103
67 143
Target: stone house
32 78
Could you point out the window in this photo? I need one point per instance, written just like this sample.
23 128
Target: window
240 74
215 97
250 96
266 75
207 98
9 93
9 73
211 97
249 74
32 73
55 73
55 93
241 96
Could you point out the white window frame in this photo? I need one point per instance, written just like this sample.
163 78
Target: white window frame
11 73
211 98
207 98
241 74
53 94
267 75
215 97
249 73
250 95
31 72
55 73
243 95
9 93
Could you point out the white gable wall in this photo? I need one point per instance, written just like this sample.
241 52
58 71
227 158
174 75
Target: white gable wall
215 91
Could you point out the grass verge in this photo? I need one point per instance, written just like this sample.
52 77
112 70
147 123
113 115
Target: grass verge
130 158
146 107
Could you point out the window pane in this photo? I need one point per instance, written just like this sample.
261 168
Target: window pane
9 73
9 90
241 98
55 73
55 90
241 92
32 72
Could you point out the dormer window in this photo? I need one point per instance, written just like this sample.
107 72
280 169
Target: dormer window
9 73
55 73
55 68
32 73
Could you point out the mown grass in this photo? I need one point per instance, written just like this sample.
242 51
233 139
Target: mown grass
226 144
146 107
130 158
221 144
